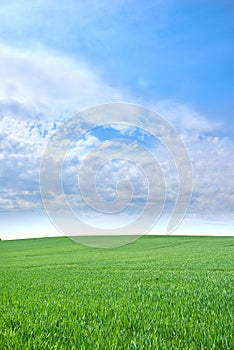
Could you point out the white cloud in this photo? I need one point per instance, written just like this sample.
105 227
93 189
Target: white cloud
184 117
213 173
44 84
47 86
37 88
23 142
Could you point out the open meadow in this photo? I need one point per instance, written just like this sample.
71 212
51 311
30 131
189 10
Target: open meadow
160 292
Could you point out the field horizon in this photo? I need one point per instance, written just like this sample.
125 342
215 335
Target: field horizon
158 292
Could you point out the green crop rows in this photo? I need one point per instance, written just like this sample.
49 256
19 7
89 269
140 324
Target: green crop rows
156 293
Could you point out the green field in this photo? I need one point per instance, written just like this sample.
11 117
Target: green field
156 293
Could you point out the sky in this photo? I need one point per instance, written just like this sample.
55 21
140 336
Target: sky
175 58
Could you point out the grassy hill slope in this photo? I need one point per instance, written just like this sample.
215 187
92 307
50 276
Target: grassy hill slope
160 292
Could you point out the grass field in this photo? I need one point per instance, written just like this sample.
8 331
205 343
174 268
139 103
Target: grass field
156 293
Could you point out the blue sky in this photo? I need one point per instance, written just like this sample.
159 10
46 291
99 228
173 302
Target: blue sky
175 57
176 50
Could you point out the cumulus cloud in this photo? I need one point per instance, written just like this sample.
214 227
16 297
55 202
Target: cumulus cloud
213 172
21 146
211 158
23 143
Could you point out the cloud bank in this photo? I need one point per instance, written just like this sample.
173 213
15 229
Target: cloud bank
40 89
